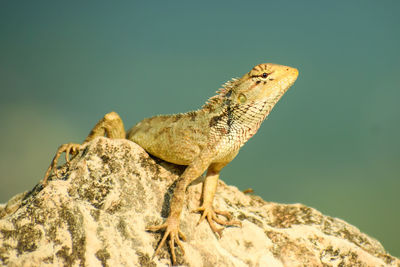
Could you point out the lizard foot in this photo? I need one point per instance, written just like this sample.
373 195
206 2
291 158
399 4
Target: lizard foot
211 215
69 149
171 227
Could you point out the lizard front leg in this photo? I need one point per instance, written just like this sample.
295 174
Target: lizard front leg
208 212
110 125
171 225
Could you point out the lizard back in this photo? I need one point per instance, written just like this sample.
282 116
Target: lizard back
177 138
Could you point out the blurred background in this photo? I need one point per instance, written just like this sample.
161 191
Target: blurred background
332 142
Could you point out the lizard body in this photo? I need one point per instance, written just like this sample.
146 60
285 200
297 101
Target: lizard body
205 140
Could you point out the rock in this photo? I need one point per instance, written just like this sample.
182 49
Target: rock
95 214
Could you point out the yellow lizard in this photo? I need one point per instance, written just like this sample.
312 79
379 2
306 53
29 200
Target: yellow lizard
205 140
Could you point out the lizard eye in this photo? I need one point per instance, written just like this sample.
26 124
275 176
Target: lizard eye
264 75
242 98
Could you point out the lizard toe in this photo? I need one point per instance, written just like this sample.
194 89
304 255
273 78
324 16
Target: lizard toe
172 232
212 216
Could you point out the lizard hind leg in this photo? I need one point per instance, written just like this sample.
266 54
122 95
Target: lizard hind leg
110 125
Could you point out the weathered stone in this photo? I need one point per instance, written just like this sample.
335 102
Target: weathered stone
95 214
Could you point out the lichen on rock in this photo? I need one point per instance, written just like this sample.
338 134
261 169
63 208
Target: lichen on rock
95 214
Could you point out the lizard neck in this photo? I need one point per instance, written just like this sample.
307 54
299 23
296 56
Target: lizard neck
238 122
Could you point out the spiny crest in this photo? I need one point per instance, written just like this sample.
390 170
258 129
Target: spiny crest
222 94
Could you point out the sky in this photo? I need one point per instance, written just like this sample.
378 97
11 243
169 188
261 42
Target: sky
332 142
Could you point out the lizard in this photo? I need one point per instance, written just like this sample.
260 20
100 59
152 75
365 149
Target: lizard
205 140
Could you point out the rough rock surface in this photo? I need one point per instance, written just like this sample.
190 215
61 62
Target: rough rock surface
96 214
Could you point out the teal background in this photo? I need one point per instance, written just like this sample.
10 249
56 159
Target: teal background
332 142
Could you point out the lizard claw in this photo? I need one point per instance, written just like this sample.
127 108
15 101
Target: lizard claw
171 227
69 149
211 215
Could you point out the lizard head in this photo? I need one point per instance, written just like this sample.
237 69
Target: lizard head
265 82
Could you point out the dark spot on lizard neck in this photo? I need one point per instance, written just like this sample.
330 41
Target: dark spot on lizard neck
177 117
226 116
227 102
214 120
192 115
230 117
